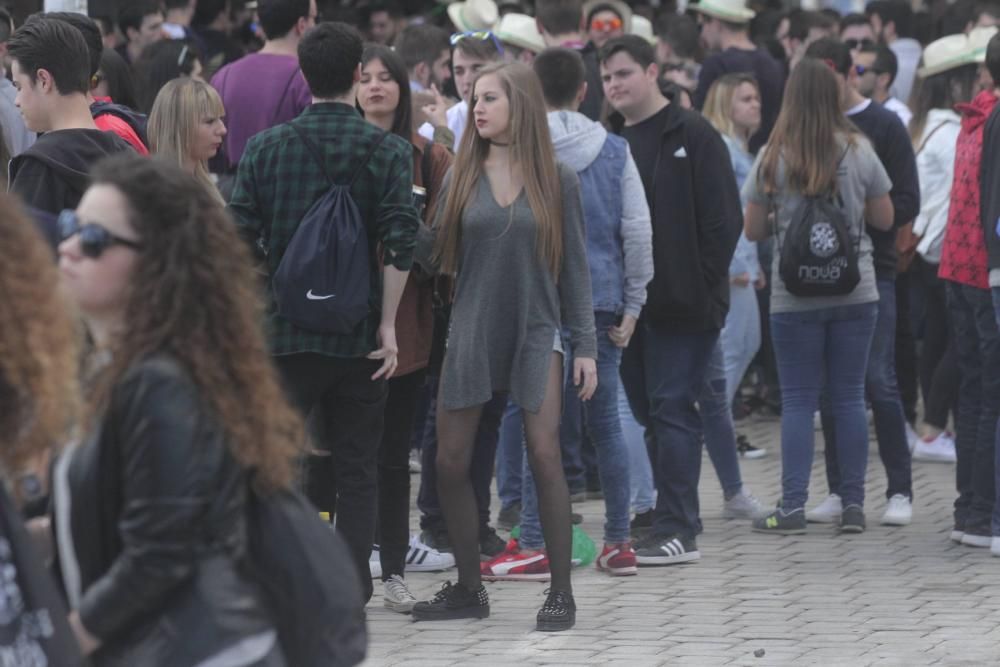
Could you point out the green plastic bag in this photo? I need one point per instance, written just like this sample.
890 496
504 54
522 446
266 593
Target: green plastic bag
584 549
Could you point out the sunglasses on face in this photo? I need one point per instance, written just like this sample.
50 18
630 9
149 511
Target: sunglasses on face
481 35
606 24
853 44
94 239
862 70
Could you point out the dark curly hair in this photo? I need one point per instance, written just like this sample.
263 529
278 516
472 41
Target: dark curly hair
38 345
194 295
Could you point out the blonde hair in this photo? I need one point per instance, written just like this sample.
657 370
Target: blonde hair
530 150
180 106
718 108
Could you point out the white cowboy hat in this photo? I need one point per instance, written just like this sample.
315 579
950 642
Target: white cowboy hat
617 6
979 38
520 30
944 54
734 11
642 27
473 15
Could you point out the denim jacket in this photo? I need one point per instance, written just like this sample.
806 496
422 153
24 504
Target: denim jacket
745 258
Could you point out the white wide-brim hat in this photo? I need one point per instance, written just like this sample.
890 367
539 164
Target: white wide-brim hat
944 54
728 10
617 6
521 31
473 15
979 39
643 27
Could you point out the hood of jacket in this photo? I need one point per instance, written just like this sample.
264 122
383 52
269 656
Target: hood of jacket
975 113
71 153
577 139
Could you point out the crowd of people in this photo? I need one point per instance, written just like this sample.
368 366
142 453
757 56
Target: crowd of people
561 246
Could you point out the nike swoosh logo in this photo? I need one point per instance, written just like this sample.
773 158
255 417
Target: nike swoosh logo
317 297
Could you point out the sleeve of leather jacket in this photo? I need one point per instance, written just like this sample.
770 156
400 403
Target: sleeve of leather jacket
159 424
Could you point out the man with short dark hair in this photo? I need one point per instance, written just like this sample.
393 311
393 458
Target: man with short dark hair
265 88
892 22
50 66
725 30
562 23
697 218
803 28
856 31
426 52
382 22
16 137
877 67
339 378
141 22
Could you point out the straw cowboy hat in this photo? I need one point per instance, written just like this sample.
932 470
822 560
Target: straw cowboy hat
520 30
734 11
979 38
642 27
616 6
944 54
473 15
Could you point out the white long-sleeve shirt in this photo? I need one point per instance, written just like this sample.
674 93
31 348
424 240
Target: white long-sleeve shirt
936 170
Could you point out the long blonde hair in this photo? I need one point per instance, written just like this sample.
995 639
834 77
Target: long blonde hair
530 150
180 106
718 108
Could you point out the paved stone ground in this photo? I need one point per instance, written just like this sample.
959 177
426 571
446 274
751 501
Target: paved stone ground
891 596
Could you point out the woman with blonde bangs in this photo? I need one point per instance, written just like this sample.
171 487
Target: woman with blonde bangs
509 229
186 125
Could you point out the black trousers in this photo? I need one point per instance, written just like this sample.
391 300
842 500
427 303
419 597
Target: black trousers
907 365
939 377
345 409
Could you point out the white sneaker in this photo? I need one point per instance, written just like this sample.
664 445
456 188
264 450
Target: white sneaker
422 558
899 511
397 596
939 450
744 506
415 467
995 549
827 511
981 541
375 564
956 536
912 438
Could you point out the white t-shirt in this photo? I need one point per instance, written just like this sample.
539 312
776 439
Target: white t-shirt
900 109
457 117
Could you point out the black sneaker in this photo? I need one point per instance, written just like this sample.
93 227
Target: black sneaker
436 539
558 613
490 545
509 517
641 525
780 522
748 451
452 602
576 519
852 519
653 550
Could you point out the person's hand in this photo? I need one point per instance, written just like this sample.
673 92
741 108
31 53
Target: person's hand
88 642
435 111
585 377
622 334
742 280
388 352
761 281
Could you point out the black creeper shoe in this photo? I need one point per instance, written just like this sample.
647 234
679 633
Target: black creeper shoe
454 601
558 613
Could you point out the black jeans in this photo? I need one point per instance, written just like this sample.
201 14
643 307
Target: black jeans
906 346
977 344
938 363
345 409
483 457
392 532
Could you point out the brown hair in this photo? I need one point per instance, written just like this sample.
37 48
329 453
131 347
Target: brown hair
38 345
531 151
808 133
718 107
194 296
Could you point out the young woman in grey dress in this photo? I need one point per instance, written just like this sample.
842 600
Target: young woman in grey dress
509 229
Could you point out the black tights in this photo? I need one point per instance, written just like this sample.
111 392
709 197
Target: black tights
456 435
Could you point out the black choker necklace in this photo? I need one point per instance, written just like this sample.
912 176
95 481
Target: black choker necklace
497 143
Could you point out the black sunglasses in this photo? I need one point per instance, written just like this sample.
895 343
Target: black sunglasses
853 44
94 239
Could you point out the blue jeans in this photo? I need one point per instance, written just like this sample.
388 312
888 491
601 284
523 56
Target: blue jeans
887 407
740 338
810 346
977 346
640 472
663 374
716 409
510 456
996 452
604 429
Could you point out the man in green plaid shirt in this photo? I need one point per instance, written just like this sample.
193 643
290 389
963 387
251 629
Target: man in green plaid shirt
338 379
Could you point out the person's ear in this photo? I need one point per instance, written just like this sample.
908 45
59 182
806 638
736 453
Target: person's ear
357 73
883 81
44 81
581 94
420 71
653 72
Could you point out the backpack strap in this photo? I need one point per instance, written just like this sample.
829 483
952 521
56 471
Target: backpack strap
923 144
368 157
313 149
281 100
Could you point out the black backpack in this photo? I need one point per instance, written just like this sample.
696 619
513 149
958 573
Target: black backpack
323 281
309 581
135 120
818 257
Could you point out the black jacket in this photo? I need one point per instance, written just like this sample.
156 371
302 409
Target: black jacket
53 174
158 509
989 196
697 219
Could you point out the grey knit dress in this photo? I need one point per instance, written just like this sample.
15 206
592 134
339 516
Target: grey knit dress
507 307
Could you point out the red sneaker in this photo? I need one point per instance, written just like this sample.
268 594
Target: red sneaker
515 565
618 560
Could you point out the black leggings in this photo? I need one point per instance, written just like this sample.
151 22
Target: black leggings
938 363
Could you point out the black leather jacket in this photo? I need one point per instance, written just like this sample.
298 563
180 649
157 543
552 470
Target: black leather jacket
158 525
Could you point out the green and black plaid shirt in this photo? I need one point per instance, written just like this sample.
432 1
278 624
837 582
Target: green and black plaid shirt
278 180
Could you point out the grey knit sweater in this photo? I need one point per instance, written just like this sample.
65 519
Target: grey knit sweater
507 307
